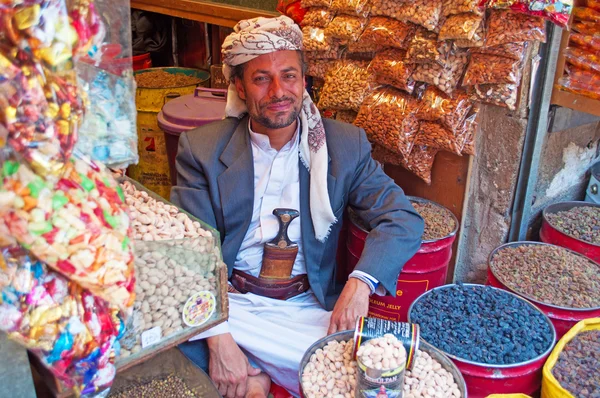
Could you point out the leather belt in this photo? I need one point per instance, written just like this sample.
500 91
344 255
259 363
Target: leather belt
280 290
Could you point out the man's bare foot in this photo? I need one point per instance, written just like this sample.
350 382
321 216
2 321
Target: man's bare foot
258 386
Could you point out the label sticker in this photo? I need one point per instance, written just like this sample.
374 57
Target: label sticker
151 336
199 308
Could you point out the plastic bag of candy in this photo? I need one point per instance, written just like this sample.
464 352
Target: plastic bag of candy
580 81
76 224
586 28
585 42
582 59
557 11
41 103
586 14
69 329
513 27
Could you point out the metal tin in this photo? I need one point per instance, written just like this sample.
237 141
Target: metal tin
555 236
348 335
427 269
485 379
563 318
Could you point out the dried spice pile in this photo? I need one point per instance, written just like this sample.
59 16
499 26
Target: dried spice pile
482 324
160 78
577 367
549 274
439 222
167 387
579 222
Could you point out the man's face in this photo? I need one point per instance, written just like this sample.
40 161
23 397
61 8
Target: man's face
272 88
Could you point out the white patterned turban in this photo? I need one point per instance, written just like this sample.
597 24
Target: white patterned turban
252 38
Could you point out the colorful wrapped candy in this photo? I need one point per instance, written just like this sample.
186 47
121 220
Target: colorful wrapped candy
557 11
69 329
78 225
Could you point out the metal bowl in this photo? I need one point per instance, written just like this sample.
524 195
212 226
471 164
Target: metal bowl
347 335
565 206
487 365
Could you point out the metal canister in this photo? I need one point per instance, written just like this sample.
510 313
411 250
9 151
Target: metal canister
379 383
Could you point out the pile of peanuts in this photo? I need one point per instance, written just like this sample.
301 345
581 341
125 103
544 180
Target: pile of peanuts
154 220
331 372
382 353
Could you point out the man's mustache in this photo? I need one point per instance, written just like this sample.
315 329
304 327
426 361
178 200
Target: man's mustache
278 101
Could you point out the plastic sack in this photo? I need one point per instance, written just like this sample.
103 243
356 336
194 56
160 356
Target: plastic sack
551 388
318 17
514 51
346 28
447 76
70 330
357 8
434 135
460 27
41 102
504 95
320 67
420 162
108 133
451 7
586 27
492 69
361 51
387 32
478 39
346 85
585 42
513 27
388 117
425 48
389 67
586 14
315 39
315 3
439 107
332 53
582 59
78 225
426 13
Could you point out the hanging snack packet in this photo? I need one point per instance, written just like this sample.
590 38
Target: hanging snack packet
460 27
346 28
426 13
387 32
420 162
513 27
318 17
357 8
478 39
386 8
425 48
346 85
433 135
389 67
452 7
586 28
446 77
514 51
492 69
315 39
320 67
585 42
582 59
586 14
439 107
389 119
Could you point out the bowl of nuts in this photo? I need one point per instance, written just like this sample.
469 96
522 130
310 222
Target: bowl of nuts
328 369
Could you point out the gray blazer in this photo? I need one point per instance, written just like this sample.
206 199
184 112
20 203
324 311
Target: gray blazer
215 177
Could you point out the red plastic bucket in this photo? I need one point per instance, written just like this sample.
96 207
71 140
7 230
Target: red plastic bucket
549 234
483 379
426 270
562 318
142 61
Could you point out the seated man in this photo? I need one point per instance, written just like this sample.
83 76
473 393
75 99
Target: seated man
274 151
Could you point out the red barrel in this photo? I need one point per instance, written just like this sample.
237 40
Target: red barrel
549 234
562 318
426 270
484 379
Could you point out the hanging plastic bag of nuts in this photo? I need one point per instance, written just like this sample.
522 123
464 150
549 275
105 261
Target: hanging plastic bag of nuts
424 12
389 118
420 162
439 107
434 135
346 28
346 86
452 7
386 8
315 39
470 126
582 59
315 3
387 32
360 50
460 27
586 14
589 43
357 8
586 27
332 53
478 39
492 69
425 48
504 95
445 77
318 17
515 51
511 27
385 156
320 67
389 67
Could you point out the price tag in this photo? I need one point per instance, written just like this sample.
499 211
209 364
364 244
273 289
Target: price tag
151 336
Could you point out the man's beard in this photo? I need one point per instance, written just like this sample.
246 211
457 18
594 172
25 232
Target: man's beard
277 123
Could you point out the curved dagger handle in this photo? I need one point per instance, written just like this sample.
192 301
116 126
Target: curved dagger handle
285 217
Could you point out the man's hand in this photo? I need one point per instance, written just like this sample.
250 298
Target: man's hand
228 366
353 303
